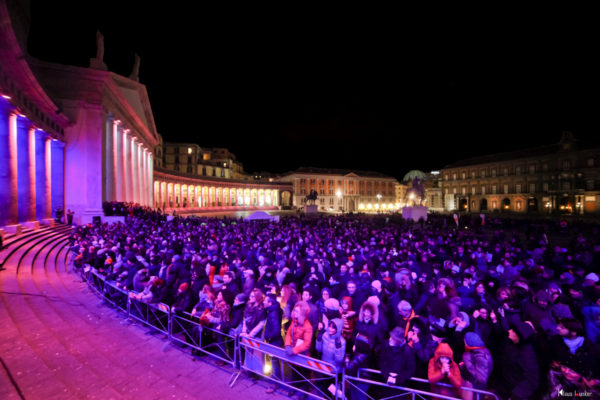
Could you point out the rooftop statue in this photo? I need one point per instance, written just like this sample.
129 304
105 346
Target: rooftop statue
98 61
136 69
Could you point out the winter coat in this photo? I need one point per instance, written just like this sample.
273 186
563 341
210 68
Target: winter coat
585 361
478 366
297 332
592 327
519 365
397 359
372 329
272 332
435 375
326 345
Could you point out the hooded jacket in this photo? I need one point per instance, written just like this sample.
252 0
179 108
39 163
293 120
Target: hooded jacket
519 366
435 374
478 364
326 345
371 329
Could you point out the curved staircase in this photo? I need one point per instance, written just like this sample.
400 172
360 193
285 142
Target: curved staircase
57 340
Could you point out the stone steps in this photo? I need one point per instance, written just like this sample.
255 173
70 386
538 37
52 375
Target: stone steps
60 342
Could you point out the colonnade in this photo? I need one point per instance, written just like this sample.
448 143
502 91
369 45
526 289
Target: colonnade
177 195
31 171
128 165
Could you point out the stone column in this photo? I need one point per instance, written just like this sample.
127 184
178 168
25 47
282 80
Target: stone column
125 159
150 174
148 184
135 171
43 172
110 170
118 161
9 205
26 173
140 175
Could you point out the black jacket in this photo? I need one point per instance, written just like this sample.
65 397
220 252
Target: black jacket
586 359
397 359
273 325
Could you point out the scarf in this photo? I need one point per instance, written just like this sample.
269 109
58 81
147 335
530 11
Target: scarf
574 344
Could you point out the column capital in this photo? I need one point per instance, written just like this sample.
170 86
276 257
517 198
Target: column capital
117 122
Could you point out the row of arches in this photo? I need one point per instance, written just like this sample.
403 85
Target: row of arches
174 195
531 204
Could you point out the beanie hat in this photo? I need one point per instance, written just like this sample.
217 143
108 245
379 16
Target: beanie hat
473 340
543 295
592 277
561 311
332 304
376 284
398 334
404 305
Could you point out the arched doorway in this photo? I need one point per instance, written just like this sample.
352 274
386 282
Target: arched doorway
463 205
286 199
532 204
483 206
506 204
351 206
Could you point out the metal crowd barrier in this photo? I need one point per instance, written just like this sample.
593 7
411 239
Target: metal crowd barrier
186 331
155 316
362 384
308 375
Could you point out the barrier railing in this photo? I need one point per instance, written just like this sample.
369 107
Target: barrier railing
155 316
187 331
301 373
94 279
116 296
404 391
304 374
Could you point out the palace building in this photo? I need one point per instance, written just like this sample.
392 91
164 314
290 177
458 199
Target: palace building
344 190
561 178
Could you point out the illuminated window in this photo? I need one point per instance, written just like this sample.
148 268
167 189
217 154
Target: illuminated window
518 204
206 156
494 189
518 188
189 150
494 204
473 190
483 190
505 188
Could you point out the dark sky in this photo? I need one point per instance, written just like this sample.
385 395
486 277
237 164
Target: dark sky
387 91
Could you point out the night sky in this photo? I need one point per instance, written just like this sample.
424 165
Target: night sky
386 92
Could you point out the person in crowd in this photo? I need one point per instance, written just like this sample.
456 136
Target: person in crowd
397 361
331 344
272 333
519 363
349 318
369 269
442 368
477 364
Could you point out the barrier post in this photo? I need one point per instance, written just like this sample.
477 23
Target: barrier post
318 381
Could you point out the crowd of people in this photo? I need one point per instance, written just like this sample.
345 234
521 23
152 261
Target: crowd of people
512 307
